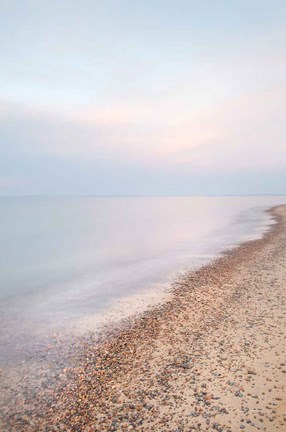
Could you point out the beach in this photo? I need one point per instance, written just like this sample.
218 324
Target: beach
213 357
142 216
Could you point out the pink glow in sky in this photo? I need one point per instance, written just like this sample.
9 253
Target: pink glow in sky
160 98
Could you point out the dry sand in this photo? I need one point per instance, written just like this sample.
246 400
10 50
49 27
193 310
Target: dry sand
211 358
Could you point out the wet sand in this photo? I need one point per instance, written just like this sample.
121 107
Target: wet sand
213 358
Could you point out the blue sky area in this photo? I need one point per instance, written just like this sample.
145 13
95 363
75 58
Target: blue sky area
142 98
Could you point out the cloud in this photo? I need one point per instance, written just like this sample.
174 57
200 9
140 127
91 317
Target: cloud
114 133
236 133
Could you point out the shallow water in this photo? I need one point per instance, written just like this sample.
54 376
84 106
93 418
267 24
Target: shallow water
65 261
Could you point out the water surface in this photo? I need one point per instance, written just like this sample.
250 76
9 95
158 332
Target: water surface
63 260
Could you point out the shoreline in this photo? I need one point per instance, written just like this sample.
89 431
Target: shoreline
129 307
143 376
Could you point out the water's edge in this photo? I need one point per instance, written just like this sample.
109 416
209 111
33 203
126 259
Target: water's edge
51 356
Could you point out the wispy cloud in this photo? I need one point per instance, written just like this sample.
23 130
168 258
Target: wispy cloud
108 133
243 132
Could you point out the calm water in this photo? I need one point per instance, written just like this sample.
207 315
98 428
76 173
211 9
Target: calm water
65 259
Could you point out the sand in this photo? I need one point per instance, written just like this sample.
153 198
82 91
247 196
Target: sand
213 357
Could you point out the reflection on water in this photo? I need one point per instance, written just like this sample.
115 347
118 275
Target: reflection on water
62 259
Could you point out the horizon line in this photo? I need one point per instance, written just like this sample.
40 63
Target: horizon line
139 196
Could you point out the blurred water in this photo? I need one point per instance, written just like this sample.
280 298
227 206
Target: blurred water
65 258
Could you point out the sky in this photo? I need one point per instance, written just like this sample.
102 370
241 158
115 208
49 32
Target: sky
153 97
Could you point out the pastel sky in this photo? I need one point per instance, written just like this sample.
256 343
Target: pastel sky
152 97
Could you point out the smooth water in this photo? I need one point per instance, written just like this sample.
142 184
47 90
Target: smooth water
65 259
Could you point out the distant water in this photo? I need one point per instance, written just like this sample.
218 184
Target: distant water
65 259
